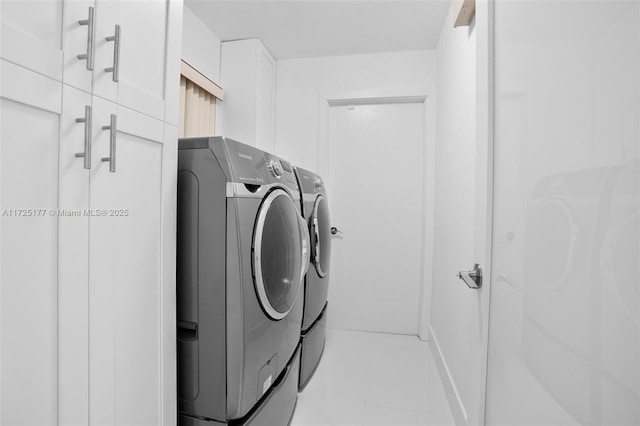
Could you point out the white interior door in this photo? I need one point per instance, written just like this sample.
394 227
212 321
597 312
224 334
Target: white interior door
462 232
375 188
565 299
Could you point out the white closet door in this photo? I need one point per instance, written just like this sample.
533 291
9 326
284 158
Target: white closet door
107 17
125 285
31 119
73 256
77 40
143 56
142 47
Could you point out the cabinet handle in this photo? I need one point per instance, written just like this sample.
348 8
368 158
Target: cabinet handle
113 128
87 137
89 23
115 69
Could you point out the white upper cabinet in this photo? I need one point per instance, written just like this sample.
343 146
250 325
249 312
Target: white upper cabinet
78 33
248 77
131 51
119 51
31 35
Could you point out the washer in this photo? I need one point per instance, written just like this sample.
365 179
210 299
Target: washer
315 209
243 250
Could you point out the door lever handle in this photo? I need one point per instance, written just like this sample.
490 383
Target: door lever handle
473 278
335 230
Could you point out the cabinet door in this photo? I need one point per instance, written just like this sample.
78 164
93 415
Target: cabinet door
143 47
31 35
125 271
30 113
106 19
73 259
78 34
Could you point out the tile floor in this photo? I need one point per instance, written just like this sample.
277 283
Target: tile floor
367 379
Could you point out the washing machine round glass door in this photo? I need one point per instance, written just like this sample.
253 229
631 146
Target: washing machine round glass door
278 254
321 236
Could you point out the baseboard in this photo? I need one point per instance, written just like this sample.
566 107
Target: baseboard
453 396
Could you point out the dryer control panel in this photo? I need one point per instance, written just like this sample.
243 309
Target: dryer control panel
250 165
310 183
246 164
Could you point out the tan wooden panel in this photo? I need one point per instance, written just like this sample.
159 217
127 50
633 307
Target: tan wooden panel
198 108
202 81
183 102
463 12
212 116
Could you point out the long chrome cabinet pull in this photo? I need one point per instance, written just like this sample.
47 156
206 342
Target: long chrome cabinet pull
87 137
113 128
115 69
89 23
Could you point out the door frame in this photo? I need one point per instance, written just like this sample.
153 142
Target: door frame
427 187
485 95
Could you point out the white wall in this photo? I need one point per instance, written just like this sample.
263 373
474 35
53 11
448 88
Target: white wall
200 46
454 307
302 82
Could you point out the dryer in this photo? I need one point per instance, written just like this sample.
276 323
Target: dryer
315 209
243 250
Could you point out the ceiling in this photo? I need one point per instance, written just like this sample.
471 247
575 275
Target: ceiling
309 28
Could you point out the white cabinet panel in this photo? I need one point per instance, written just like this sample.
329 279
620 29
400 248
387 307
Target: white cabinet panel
125 258
168 265
137 283
77 41
31 35
107 17
73 256
101 275
29 251
265 101
248 76
142 54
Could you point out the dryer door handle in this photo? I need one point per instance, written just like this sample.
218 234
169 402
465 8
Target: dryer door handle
305 247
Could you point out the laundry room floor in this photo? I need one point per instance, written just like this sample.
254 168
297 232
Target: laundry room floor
367 379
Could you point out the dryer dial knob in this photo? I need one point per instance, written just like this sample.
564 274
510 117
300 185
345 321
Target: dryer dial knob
276 169
318 182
